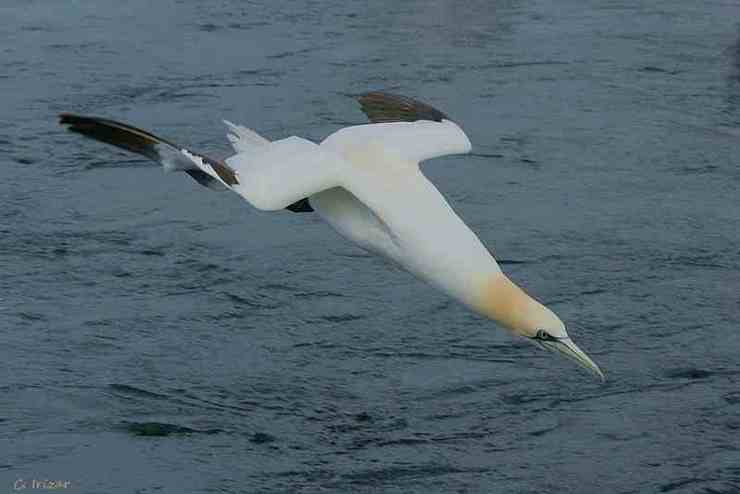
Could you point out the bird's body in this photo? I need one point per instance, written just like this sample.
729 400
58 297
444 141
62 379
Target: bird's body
365 181
403 217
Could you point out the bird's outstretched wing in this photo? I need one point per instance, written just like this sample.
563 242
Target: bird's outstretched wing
208 172
402 127
211 173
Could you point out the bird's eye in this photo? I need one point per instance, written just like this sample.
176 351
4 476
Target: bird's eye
543 335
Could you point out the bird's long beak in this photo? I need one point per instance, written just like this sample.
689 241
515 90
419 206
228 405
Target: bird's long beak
566 347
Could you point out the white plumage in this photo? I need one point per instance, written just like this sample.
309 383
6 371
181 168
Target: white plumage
365 181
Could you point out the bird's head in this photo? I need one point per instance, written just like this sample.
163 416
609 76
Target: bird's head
524 316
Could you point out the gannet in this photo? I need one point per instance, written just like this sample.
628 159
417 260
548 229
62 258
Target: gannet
365 181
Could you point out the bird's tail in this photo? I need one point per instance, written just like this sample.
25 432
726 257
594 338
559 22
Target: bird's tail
244 140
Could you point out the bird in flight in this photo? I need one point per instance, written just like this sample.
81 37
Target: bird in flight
365 181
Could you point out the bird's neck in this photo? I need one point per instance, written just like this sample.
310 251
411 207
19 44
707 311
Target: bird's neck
502 300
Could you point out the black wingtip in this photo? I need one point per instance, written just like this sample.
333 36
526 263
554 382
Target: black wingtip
115 133
75 119
381 107
72 119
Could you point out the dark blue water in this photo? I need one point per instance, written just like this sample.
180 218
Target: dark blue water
159 337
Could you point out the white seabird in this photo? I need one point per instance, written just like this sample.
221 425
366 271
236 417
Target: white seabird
365 181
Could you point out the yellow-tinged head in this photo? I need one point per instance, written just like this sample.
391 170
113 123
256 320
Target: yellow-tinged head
504 302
